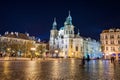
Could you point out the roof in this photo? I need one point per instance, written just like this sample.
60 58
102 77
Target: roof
17 35
111 30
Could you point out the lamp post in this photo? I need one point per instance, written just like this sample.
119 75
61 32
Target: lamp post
8 49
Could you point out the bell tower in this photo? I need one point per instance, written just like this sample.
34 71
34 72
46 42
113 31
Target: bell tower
69 28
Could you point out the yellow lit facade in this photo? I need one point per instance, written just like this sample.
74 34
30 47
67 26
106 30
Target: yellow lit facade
110 43
19 44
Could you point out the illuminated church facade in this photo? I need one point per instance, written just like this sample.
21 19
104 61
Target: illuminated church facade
65 43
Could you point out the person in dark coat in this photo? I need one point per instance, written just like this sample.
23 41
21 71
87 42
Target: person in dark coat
88 58
83 61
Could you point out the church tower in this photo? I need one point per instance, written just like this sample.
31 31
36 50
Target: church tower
54 31
53 43
68 27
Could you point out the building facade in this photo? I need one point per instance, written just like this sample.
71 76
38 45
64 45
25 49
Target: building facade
19 44
65 43
110 43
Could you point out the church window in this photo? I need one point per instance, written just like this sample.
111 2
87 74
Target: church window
62 42
66 32
61 36
57 46
66 46
71 31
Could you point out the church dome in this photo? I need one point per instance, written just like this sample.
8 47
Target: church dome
62 28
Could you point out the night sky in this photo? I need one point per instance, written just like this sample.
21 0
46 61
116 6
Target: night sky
36 17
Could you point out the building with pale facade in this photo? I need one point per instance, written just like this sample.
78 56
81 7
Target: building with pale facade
65 43
110 43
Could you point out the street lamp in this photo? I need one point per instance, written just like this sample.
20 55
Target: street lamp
56 51
33 49
8 49
73 54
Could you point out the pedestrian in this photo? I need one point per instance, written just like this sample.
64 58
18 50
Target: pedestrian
111 59
83 61
88 58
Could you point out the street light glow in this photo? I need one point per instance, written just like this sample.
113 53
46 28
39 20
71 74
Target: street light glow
33 49
56 51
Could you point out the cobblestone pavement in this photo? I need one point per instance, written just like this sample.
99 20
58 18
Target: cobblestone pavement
59 69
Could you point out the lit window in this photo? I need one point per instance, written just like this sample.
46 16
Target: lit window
119 48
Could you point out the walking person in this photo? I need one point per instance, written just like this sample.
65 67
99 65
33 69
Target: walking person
82 62
88 58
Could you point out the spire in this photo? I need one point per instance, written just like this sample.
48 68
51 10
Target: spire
54 24
78 34
69 19
69 14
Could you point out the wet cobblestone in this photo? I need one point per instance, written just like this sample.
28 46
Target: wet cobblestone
66 69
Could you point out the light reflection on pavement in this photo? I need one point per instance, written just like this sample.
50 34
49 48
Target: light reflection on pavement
59 69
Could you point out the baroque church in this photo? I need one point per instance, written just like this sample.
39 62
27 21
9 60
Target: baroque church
65 43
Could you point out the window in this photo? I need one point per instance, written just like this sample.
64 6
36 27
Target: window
118 36
81 48
106 42
112 48
118 41
57 46
76 48
66 32
112 42
71 31
66 46
111 36
62 42
106 48
106 37
62 37
119 48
